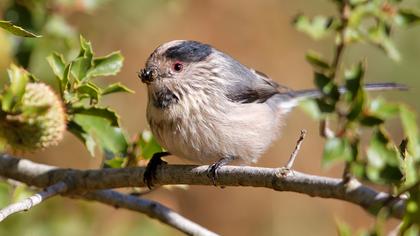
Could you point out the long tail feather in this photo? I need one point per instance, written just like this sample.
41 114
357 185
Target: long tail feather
293 98
314 93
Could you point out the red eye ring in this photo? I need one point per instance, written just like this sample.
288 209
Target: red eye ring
177 66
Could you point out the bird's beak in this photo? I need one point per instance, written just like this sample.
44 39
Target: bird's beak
147 75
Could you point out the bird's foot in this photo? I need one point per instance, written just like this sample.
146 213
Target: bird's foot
150 172
213 168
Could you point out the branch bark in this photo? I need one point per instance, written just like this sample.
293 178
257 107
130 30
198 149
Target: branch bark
151 208
41 175
80 181
34 200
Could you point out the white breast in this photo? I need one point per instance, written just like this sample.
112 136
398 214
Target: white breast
204 133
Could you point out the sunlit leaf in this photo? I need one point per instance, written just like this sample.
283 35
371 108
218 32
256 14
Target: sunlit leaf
16 30
343 229
317 28
380 108
89 90
354 92
316 60
353 79
311 108
106 66
108 137
148 145
407 17
80 67
116 88
337 149
408 119
106 113
86 138
85 49
66 77
116 162
383 159
379 36
57 64
327 86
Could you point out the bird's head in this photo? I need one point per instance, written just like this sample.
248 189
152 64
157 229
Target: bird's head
177 60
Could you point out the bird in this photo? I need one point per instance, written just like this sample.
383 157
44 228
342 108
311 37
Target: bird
207 107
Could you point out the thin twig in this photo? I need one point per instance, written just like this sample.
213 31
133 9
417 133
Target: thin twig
292 158
34 200
151 208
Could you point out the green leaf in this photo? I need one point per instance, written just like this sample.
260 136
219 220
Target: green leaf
311 107
327 86
337 149
409 123
407 17
89 90
370 120
109 138
410 225
383 159
57 64
86 138
80 67
383 109
316 60
356 106
116 88
148 145
103 112
116 162
379 36
353 79
106 66
21 192
18 79
329 89
16 30
354 91
317 28
343 228
325 107
85 49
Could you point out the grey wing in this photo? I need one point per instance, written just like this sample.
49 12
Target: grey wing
251 86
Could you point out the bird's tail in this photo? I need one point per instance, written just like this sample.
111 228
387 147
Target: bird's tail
294 97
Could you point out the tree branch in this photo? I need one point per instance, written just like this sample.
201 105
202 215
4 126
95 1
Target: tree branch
34 200
316 186
41 175
150 208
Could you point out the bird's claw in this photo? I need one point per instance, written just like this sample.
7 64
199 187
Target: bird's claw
212 172
150 172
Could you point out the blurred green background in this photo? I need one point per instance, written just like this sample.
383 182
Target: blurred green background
257 33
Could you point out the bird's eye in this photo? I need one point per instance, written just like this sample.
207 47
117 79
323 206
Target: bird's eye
177 66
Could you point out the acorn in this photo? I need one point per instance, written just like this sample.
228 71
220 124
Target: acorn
40 123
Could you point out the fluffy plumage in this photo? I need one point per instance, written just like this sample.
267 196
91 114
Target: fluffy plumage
214 106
